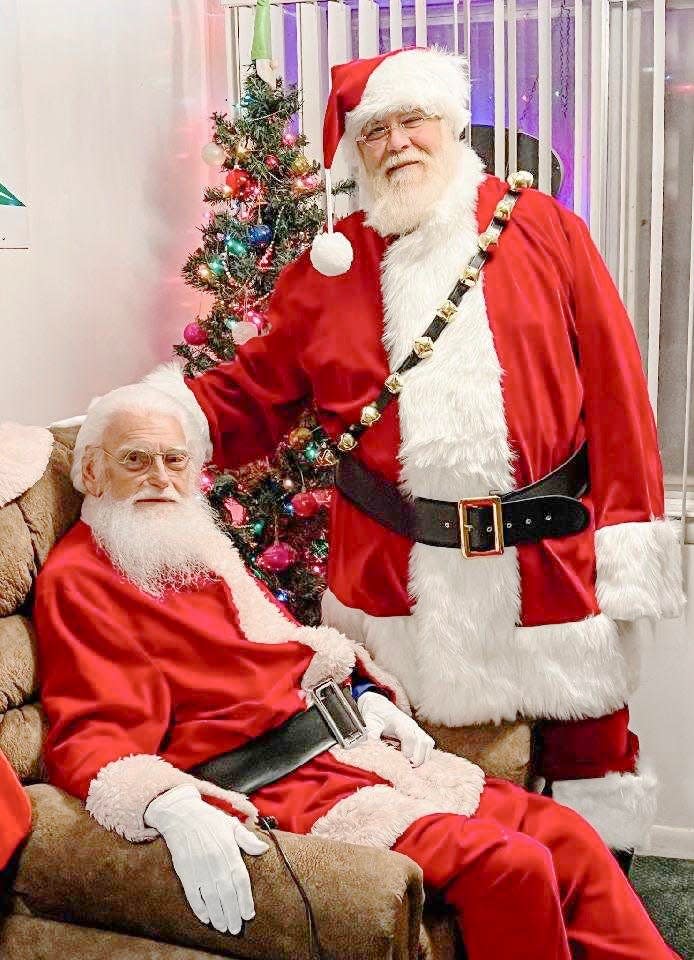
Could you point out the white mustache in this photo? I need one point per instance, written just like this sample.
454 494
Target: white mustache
404 158
151 493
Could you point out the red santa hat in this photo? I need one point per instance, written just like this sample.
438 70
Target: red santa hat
425 79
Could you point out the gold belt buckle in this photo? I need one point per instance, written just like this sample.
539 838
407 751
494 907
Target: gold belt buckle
497 520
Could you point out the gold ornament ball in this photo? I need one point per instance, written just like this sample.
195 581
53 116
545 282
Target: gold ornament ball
299 437
301 164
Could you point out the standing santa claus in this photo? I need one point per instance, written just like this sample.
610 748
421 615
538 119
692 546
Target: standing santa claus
500 497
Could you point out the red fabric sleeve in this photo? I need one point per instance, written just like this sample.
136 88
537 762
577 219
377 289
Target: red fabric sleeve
15 812
103 697
251 401
625 467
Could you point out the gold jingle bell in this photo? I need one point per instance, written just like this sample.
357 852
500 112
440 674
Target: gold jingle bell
503 210
488 239
346 442
394 383
520 179
447 311
370 414
423 347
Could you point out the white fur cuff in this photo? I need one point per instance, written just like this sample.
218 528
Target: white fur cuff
639 570
620 806
122 790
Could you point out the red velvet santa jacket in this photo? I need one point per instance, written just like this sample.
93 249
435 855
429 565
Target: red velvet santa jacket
540 357
137 690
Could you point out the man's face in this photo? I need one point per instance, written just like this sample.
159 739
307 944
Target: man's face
121 468
403 155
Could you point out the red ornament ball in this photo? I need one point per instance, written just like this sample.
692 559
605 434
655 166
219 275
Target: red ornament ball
195 335
235 512
277 557
206 481
271 161
305 505
238 181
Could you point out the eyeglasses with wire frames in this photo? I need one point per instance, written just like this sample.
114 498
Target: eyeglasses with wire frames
374 136
141 461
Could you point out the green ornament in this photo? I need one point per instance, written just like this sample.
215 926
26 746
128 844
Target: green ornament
311 451
258 527
319 549
237 247
216 266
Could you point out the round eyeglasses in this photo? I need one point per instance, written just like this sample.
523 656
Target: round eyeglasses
141 461
374 136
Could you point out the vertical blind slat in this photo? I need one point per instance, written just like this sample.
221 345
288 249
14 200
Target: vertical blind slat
579 84
499 91
544 47
657 182
690 350
395 23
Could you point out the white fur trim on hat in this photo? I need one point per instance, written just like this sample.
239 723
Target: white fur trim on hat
431 80
24 455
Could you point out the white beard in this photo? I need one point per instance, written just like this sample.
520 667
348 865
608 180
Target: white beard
404 201
157 547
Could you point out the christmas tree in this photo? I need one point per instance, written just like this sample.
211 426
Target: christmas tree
263 215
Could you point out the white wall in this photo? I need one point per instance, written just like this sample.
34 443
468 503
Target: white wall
116 100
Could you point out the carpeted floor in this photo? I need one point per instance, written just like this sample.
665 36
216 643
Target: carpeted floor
667 888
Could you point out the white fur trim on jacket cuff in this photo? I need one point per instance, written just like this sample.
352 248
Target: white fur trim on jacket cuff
639 570
121 791
620 806
168 377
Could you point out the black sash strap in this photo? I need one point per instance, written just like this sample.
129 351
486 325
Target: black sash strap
546 509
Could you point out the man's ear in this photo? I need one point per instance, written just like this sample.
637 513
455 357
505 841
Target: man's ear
91 476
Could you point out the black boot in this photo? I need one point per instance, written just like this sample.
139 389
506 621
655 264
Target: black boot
624 858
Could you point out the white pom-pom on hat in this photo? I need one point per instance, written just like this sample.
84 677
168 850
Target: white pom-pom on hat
331 254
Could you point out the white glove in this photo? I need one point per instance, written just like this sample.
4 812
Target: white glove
383 717
204 845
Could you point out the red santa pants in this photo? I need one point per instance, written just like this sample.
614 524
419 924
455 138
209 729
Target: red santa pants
531 880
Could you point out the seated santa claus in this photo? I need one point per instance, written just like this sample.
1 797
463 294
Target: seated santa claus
183 700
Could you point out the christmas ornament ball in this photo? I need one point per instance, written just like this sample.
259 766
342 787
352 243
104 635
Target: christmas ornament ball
299 437
259 235
243 331
195 335
288 484
305 505
206 481
213 155
271 162
277 557
301 164
238 181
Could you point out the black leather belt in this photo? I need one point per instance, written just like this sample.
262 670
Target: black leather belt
479 526
333 719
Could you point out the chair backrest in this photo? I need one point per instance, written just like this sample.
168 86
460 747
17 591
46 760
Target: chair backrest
29 527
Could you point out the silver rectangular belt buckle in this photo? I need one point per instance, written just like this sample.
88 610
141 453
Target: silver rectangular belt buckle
497 520
349 738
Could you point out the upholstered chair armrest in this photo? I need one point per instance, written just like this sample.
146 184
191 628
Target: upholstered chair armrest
367 902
